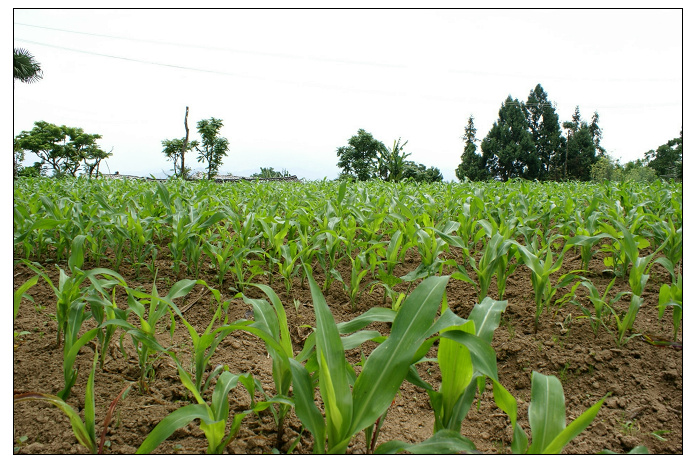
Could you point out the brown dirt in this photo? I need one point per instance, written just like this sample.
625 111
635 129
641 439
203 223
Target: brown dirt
646 381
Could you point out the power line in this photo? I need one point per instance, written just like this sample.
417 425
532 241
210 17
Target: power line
316 85
231 50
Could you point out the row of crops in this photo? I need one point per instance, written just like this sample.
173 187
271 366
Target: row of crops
256 235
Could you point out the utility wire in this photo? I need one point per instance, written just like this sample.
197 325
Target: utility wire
232 50
317 85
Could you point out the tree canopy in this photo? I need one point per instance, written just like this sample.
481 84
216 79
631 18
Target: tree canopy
358 160
366 158
64 149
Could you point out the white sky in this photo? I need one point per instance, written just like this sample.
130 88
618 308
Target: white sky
291 86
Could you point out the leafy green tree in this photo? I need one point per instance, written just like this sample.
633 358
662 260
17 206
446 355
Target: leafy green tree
359 159
636 171
63 148
667 160
472 166
419 173
212 147
605 168
508 149
174 150
392 162
270 172
544 125
25 68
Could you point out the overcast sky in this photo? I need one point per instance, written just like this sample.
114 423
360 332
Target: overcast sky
291 86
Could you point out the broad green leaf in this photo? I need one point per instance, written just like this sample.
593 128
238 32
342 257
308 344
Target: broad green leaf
387 366
333 381
305 408
444 441
574 428
547 412
175 420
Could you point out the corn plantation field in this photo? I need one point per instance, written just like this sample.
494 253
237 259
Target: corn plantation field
324 317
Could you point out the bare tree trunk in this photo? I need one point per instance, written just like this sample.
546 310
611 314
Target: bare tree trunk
183 147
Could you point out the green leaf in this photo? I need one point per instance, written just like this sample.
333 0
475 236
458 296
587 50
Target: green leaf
20 293
574 428
387 366
444 441
171 423
78 427
546 411
333 382
305 408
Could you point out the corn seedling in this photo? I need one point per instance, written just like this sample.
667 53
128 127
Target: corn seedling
547 419
671 296
542 265
213 417
84 431
272 320
351 411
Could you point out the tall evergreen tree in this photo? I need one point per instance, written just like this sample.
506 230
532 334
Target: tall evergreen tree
544 127
581 153
508 149
596 133
472 166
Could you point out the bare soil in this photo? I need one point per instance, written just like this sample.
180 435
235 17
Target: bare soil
645 381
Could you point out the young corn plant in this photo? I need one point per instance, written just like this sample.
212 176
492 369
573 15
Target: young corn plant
391 256
495 253
271 319
465 359
349 411
547 419
71 306
143 334
205 344
542 265
671 296
601 304
213 417
624 321
84 431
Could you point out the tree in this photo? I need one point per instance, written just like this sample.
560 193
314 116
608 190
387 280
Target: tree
359 159
419 173
63 148
25 68
391 162
605 168
544 126
212 147
270 172
667 160
174 151
472 166
596 132
581 154
508 149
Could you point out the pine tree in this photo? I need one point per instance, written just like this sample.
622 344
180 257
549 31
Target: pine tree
596 133
472 165
544 127
508 149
